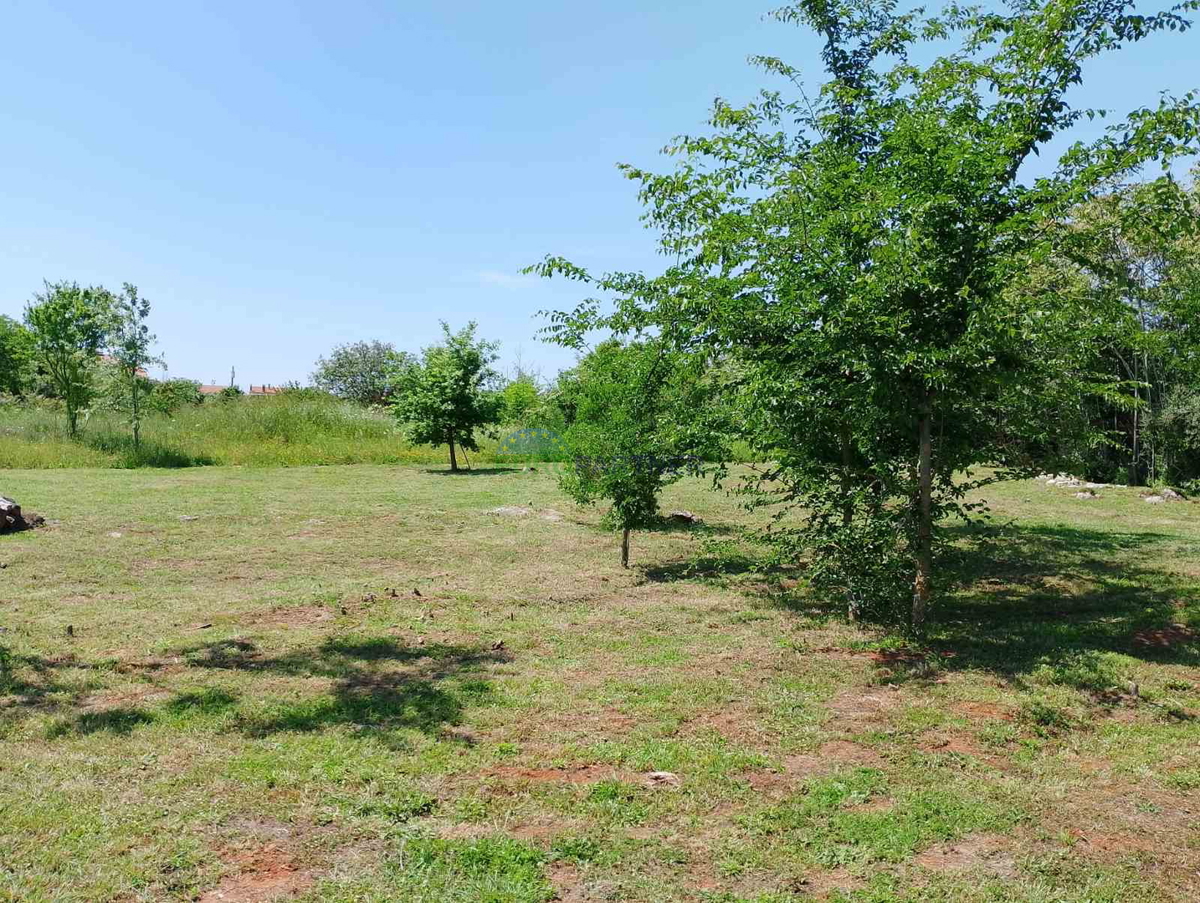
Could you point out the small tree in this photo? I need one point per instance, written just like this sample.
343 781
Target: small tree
638 427
451 393
171 395
69 327
130 345
16 357
362 372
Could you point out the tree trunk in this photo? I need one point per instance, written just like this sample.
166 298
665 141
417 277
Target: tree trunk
137 417
852 606
453 459
924 556
72 420
625 548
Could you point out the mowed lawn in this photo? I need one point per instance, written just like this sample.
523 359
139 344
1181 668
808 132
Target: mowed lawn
360 683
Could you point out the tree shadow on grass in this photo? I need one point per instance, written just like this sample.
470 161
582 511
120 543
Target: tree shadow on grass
1056 601
148 454
380 685
472 472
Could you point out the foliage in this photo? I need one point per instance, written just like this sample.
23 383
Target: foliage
450 394
231 393
638 426
1137 250
170 395
858 256
362 372
16 357
129 346
519 399
1178 427
69 327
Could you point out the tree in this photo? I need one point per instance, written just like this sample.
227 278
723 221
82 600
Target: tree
130 344
362 372
519 398
16 357
170 395
1137 249
69 327
450 393
855 253
638 426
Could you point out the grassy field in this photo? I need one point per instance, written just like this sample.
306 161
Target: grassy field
363 684
258 432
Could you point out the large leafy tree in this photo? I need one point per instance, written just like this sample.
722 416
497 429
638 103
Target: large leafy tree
16 357
451 393
362 372
857 251
69 326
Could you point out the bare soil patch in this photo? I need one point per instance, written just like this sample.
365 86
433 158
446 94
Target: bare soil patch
579 774
821 884
262 875
1165 637
853 711
986 852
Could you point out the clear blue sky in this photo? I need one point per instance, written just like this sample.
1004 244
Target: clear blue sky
281 177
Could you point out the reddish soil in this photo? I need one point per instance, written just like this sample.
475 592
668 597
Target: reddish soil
579 774
983 710
263 875
1166 637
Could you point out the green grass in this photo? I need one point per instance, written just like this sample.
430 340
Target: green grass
361 683
274 431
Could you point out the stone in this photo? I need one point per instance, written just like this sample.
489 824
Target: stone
1171 495
683 517
12 518
1086 495
1153 499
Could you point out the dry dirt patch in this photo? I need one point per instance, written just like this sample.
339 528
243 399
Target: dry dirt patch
578 774
986 852
262 875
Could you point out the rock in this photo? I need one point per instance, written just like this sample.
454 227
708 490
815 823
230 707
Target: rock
1086 494
1153 499
662 779
1171 495
12 518
683 517
511 511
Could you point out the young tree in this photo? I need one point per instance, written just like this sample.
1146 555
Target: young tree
129 345
451 393
16 357
362 372
855 252
639 424
69 326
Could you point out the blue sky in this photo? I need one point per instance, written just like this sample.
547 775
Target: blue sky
281 177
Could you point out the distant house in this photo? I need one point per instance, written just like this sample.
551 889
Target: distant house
211 390
109 359
265 390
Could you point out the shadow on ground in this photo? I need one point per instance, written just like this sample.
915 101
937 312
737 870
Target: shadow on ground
379 686
1054 600
1057 599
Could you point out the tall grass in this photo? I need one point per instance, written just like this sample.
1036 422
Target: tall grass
276 431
